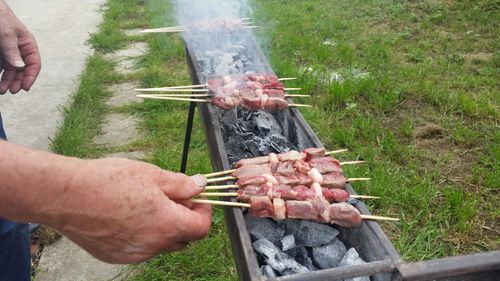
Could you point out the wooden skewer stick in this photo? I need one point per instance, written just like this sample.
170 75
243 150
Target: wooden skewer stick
245 205
378 218
164 30
235 194
336 151
299 105
180 95
169 90
220 194
222 203
364 197
292 89
287 78
221 179
359 179
172 98
351 163
298 96
220 187
221 173
187 86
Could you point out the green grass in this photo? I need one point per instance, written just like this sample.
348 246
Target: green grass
421 66
83 116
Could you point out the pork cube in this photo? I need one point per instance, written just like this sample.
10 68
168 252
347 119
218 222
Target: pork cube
261 207
300 210
345 215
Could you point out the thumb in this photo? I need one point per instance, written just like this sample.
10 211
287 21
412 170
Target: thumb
180 187
9 48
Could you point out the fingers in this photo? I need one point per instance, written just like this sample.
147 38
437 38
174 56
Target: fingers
15 86
31 56
195 223
10 50
179 187
8 77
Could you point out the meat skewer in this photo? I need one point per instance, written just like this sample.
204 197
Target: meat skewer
236 194
342 214
223 24
273 104
259 91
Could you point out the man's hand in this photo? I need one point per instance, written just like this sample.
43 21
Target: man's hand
120 211
124 211
19 56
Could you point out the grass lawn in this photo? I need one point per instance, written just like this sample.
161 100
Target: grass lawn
412 87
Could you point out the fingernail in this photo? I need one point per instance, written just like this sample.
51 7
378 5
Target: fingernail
19 64
200 180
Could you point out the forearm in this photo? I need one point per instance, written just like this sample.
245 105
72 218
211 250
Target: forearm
31 182
4 8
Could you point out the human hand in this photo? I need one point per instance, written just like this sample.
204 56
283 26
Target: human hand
20 61
124 211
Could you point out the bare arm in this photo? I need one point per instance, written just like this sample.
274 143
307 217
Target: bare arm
120 211
20 61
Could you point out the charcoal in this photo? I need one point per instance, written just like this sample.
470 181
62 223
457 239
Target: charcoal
264 228
268 271
287 242
309 264
352 201
301 255
352 258
310 234
279 261
329 256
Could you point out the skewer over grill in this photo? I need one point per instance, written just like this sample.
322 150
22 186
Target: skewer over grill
301 185
222 24
250 91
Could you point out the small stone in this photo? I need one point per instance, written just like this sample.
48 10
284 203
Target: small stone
263 228
268 271
288 242
311 234
352 258
329 256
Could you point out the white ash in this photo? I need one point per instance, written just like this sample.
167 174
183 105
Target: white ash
352 258
278 260
287 242
268 271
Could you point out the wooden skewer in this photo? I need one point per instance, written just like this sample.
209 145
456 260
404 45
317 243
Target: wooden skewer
378 218
187 86
234 178
235 194
219 187
292 89
169 90
221 179
299 105
336 151
222 203
364 197
164 30
251 26
245 205
221 173
359 179
351 163
180 95
172 98
287 78
298 96
220 194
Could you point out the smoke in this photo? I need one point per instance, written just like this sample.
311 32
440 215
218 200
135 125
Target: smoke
190 11
218 53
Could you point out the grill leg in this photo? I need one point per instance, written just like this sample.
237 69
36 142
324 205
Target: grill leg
187 138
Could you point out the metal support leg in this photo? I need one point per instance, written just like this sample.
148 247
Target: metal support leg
187 138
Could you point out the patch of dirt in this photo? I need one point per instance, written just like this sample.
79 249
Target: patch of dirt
428 131
477 58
